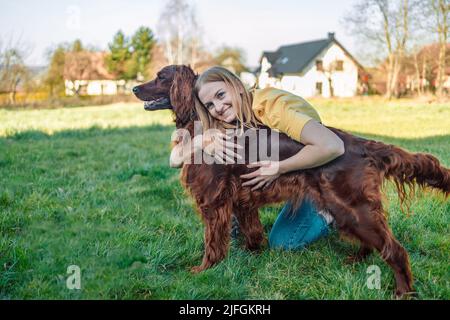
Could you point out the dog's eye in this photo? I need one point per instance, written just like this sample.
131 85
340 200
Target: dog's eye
161 77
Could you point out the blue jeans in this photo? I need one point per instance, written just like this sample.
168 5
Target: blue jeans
295 230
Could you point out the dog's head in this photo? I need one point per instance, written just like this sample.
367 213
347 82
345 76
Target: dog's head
156 93
171 89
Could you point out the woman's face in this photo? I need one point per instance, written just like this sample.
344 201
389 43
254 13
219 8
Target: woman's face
217 100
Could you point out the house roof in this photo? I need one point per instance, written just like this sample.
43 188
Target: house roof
295 58
86 66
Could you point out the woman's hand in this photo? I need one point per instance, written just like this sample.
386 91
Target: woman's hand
219 146
268 171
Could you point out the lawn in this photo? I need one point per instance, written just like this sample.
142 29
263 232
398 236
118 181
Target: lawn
92 187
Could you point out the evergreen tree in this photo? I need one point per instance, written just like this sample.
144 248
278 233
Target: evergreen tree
118 59
142 43
77 46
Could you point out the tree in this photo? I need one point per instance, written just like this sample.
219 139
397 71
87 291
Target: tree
421 66
387 25
129 59
180 32
13 70
328 72
119 56
142 44
436 13
54 78
75 56
232 59
77 46
77 64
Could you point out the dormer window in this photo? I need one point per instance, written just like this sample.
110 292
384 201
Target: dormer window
284 60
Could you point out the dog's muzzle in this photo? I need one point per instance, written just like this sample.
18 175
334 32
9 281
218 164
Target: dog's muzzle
158 104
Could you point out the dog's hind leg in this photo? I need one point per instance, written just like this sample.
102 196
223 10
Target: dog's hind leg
251 227
381 238
373 232
367 223
217 235
361 216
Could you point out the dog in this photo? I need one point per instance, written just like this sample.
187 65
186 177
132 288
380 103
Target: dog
349 187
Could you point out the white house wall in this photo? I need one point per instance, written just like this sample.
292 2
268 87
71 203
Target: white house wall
100 87
264 80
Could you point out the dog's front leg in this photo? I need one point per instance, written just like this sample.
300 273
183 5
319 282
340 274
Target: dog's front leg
217 236
251 227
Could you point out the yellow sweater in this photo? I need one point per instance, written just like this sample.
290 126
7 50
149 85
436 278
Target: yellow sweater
283 111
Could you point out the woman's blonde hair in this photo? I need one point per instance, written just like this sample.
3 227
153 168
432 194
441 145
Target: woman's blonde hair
241 100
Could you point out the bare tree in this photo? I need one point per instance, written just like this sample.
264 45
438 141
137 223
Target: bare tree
13 70
194 40
78 66
386 25
418 75
437 14
180 32
329 71
422 65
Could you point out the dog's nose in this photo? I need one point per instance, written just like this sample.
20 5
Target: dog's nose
135 90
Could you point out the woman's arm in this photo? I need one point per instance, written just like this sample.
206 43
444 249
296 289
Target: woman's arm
321 146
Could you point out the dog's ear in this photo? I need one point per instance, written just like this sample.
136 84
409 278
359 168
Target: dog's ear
181 94
182 86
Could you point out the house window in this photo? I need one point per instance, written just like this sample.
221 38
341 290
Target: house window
339 65
319 65
319 88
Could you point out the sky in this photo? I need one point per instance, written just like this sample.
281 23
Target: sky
253 25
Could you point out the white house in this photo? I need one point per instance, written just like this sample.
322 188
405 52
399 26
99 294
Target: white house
85 73
316 68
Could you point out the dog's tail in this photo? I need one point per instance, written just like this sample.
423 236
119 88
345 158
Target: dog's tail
406 169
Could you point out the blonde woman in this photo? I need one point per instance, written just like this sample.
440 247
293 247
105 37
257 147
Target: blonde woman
223 102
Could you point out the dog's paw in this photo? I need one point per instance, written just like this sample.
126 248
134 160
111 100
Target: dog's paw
197 269
410 295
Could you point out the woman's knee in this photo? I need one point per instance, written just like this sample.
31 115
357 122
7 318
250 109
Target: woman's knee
278 240
297 230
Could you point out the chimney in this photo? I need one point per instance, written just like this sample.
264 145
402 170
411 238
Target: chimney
331 35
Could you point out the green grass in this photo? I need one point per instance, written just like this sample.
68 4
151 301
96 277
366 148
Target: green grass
92 187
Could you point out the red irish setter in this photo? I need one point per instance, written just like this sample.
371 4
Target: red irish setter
349 187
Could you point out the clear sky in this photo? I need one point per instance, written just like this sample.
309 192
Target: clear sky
253 25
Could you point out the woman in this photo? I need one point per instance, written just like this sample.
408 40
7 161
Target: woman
223 102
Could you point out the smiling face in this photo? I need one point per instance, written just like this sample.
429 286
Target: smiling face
216 98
